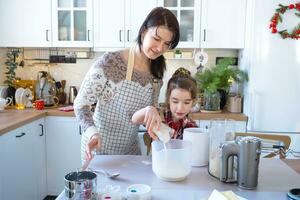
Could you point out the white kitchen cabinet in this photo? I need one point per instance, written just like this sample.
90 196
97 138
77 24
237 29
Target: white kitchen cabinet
72 22
62 150
23 26
117 22
240 126
209 23
23 170
223 24
188 14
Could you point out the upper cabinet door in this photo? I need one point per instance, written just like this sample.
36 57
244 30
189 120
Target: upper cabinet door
109 23
188 15
223 24
25 23
72 23
137 11
117 22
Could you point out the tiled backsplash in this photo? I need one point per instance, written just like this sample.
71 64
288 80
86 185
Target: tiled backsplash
74 73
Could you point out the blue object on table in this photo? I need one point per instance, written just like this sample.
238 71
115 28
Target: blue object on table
294 194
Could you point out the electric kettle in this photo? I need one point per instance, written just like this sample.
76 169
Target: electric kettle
248 150
72 94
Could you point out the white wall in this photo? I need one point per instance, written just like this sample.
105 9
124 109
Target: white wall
74 73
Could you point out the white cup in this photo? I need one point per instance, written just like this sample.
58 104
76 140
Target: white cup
200 143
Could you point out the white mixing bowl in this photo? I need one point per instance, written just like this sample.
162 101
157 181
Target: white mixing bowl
172 161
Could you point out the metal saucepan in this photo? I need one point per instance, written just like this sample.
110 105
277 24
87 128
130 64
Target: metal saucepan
80 185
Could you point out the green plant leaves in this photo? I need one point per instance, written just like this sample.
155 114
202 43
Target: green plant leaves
220 77
11 66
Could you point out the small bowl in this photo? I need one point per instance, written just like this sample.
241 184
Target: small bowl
138 192
171 161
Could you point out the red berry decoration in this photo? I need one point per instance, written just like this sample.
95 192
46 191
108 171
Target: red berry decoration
291 6
277 18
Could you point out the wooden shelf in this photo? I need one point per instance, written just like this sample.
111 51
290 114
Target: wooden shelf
223 115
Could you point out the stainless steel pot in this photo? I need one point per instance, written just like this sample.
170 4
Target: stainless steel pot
81 185
72 94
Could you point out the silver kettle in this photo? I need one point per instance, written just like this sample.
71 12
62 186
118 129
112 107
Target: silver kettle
247 149
72 94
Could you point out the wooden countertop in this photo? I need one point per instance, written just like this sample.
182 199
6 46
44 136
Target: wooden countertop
293 163
223 114
11 118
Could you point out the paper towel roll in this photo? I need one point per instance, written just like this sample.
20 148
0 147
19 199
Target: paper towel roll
200 142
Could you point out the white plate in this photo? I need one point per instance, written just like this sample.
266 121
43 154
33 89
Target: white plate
26 96
200 57
3 91
18 94
23 96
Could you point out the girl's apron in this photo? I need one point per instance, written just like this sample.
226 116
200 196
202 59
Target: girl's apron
113 120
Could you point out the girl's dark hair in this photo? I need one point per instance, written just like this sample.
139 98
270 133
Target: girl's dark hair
160 16
181 79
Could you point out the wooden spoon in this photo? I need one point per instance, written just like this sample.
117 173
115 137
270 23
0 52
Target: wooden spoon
63 85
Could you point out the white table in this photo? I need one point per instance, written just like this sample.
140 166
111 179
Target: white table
275 179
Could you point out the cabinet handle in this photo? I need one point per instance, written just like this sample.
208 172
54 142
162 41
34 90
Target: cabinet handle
128 31
120 35
204 35
80 130
88 34
47 31
42 127
21 135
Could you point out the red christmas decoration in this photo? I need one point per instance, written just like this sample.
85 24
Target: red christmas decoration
277 17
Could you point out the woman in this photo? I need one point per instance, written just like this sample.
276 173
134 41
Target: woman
123 82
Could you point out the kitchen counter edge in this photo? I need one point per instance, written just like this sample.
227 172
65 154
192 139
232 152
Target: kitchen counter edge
11 119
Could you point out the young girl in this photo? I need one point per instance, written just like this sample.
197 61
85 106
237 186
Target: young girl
181 93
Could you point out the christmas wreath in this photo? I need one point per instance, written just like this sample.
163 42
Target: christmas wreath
277 17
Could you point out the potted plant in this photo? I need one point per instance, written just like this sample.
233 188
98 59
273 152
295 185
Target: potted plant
218 80
10 74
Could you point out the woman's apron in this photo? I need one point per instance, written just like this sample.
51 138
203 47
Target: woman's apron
113 120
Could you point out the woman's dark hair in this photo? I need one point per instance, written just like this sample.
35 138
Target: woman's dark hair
160 16
181 79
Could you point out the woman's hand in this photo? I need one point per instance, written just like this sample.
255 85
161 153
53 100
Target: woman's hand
152 120
93 144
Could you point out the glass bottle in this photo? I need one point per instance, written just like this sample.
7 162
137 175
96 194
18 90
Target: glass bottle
211 101
221 130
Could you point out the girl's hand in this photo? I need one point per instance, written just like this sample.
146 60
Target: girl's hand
152 120
93 144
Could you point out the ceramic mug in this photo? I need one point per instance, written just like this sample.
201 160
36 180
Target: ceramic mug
39 104
5 102
200 142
